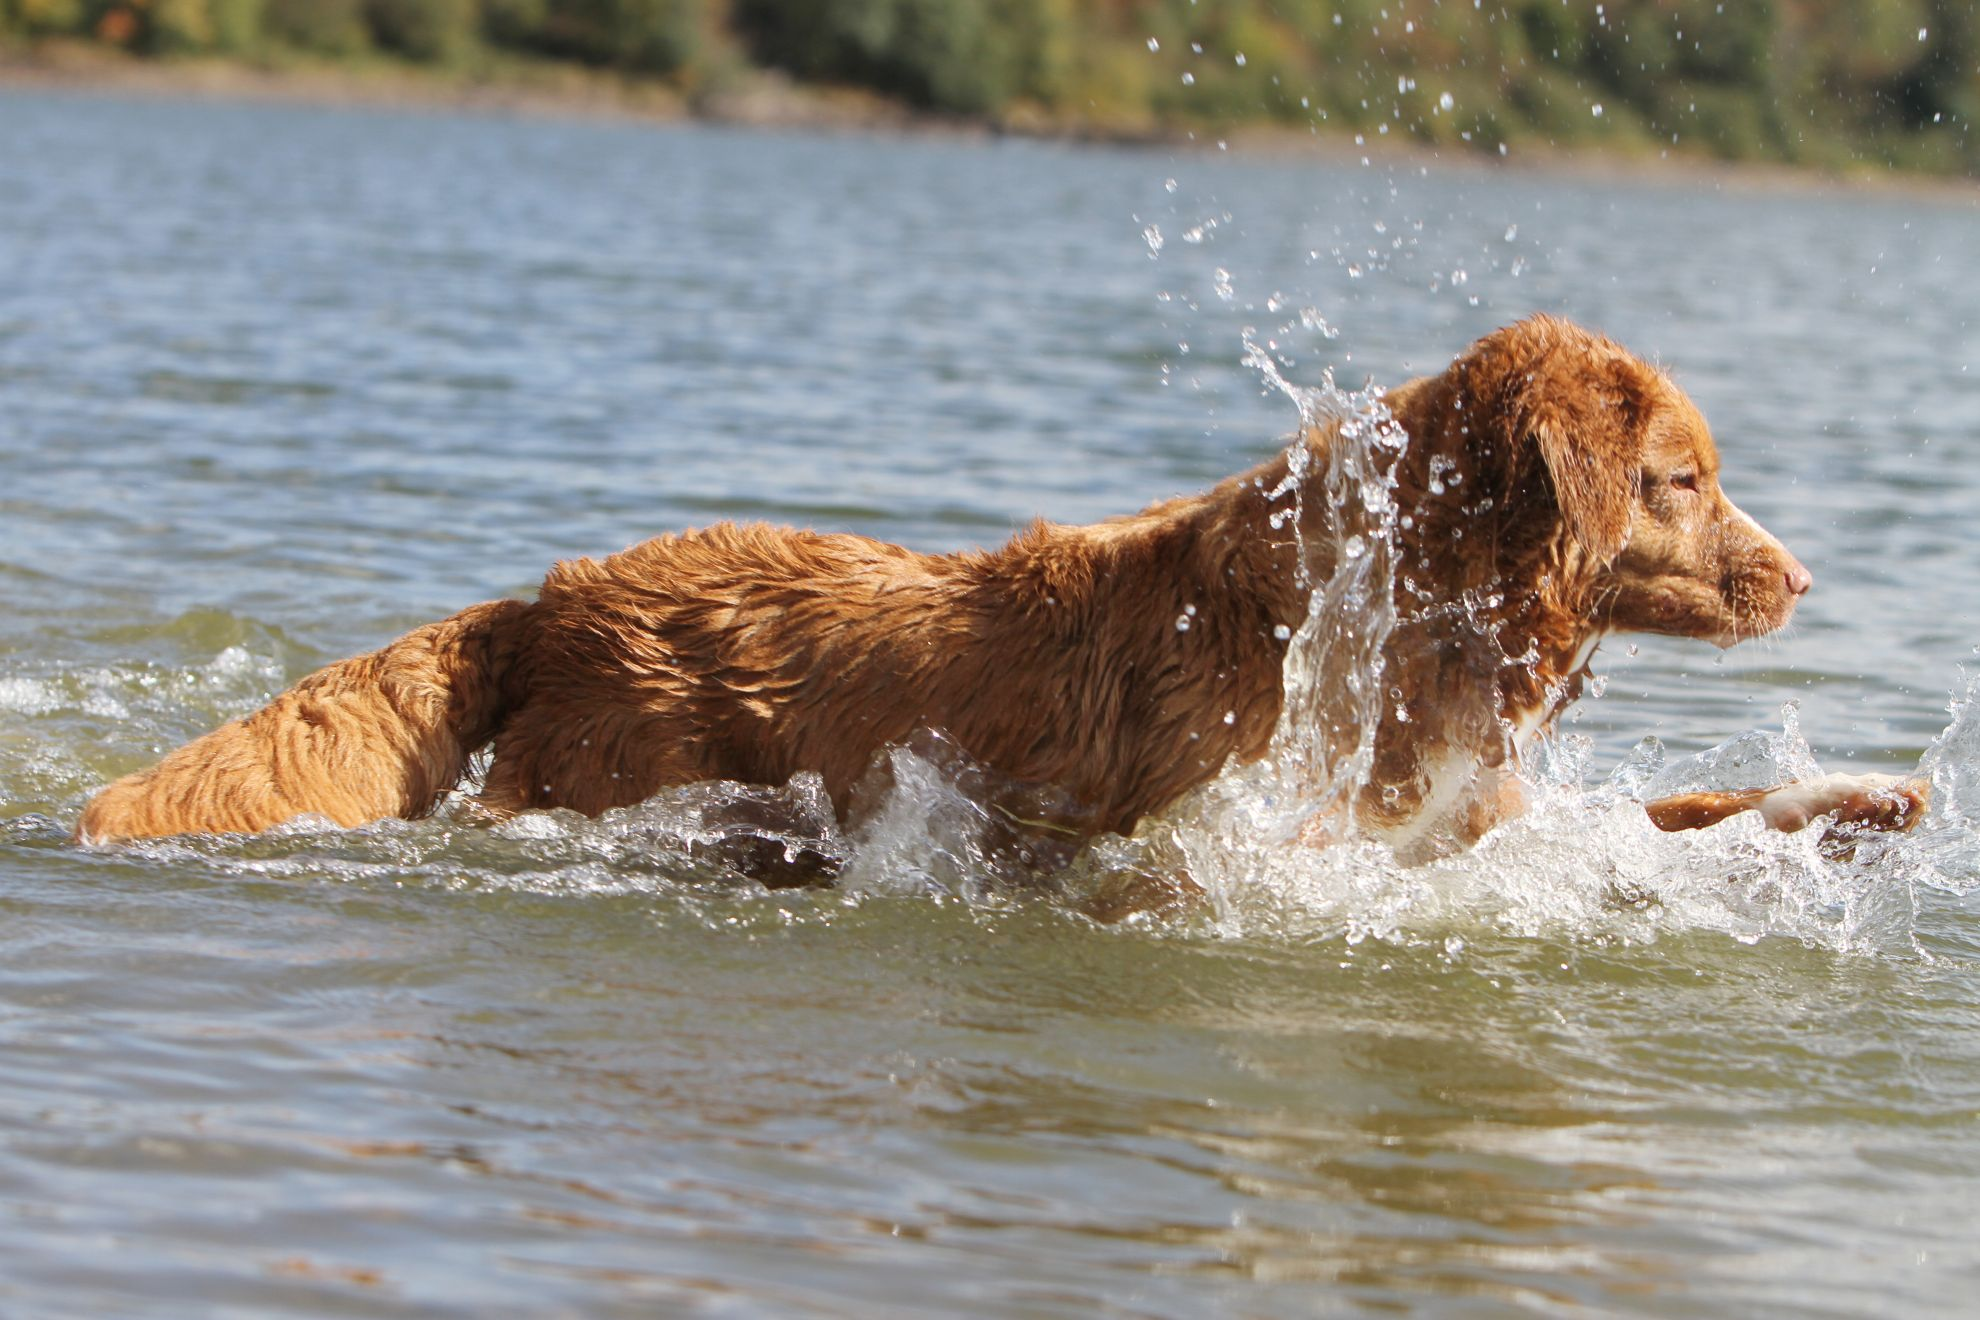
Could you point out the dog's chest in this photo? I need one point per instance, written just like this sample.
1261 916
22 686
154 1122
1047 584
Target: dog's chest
1450 776
1447 778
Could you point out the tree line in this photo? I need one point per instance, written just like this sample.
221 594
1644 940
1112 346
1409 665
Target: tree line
1830 83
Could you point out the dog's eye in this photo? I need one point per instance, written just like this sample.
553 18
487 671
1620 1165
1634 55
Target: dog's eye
1684 480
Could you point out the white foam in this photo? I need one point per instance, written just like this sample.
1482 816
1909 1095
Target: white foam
28 696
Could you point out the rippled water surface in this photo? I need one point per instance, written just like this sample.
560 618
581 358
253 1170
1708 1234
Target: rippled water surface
278 384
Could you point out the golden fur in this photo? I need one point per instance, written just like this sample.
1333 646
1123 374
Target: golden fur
1588 504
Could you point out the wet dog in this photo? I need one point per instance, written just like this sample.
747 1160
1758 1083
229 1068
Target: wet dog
1121 663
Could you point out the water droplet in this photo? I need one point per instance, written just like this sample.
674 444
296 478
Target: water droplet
1168 185
1182 623
1355 546
1230 717
1152 236
1240 59
1221 281
1512 232
1189 79
1154 44
1310 318
1446 101
1596 109
1282 632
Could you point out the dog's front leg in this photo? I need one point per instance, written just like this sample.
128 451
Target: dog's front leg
1496 797
1873 802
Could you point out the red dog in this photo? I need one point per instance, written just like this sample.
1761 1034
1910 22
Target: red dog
1590 505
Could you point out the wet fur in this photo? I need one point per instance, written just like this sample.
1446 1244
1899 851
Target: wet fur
752 653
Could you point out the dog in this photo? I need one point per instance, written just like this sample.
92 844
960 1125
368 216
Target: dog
1122 663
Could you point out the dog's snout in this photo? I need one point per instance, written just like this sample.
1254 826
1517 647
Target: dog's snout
1799 579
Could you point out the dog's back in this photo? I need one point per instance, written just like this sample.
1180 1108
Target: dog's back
752 653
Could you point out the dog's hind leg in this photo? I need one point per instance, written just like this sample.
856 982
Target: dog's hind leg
589 753
384 734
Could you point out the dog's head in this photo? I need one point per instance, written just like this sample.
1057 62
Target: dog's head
1591 469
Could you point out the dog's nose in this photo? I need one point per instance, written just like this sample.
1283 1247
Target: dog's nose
1799 580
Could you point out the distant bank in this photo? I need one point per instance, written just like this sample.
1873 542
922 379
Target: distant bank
1854 89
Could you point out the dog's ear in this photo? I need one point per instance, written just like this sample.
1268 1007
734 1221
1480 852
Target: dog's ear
1576 405
1591 441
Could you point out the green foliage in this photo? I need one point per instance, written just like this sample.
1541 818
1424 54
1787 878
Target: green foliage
643 36
177 26
48 17
236 25
1831 82
967 56
435 31
512 22
323 27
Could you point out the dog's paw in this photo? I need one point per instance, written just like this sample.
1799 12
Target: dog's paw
1851 803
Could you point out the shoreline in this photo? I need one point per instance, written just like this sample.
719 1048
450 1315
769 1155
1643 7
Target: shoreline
767 100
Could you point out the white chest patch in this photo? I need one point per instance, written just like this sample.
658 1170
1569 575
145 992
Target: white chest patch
1450 777
1529 722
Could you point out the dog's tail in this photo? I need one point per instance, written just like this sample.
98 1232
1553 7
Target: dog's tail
384 734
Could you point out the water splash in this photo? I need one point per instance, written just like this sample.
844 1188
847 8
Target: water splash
1344 520
1583 864
1584 860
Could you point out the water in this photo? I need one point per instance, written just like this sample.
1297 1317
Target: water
278 384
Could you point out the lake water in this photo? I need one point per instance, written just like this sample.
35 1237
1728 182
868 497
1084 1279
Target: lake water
277 384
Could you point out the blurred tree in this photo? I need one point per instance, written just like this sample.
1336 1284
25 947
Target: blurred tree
236 25
645 36
512 22
1828 82
47 17
177 26
325 27
437 31
966 56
